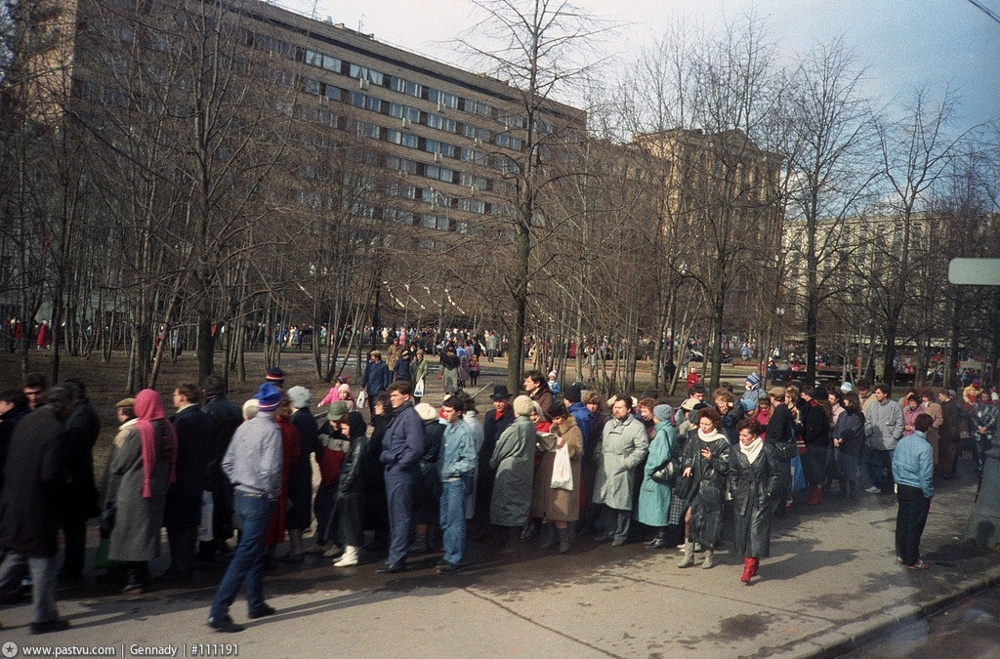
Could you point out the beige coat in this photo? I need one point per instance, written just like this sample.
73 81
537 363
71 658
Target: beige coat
552 505
933 435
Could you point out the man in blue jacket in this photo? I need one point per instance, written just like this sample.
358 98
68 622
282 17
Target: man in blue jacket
376 379
913 471
457 465
401 450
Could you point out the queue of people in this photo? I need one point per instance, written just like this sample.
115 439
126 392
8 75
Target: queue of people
422 479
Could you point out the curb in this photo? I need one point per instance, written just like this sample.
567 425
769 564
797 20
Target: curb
898 621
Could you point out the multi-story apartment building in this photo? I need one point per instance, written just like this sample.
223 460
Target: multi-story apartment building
442 146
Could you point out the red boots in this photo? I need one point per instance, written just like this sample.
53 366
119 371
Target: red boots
750 567
815 496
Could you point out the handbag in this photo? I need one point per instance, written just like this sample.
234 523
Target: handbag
362 399
666 473
683 487
562 473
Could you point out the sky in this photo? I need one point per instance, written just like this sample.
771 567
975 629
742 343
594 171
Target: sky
904 44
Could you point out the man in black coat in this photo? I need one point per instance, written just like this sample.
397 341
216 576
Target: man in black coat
781 433
226 418
182 514
13 408
35 477
80 495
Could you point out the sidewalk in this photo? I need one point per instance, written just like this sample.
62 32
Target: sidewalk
830 584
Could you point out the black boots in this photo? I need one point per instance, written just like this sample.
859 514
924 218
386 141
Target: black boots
138 579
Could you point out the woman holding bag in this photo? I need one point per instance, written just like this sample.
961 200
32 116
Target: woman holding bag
557 507
654 497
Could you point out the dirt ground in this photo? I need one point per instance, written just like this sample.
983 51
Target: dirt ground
106 381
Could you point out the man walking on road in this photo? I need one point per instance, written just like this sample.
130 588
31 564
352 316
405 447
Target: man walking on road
252 464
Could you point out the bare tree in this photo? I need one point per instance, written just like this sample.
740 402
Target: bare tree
539 47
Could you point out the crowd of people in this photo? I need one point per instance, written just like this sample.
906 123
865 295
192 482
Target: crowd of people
544 463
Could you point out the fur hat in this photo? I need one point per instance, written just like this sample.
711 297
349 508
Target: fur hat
523 405
572 393
268 397
299 397
426 412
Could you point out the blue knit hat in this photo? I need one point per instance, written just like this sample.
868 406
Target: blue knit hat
268 397
753 379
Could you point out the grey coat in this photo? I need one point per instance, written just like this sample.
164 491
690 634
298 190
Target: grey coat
136 535
513 459
623 446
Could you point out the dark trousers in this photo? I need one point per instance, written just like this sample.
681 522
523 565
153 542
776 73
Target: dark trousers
814 464
910 520
75 533
615 523
878 461
399 496
182 538
326 499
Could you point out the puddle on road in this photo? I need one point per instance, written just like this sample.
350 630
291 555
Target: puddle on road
970 627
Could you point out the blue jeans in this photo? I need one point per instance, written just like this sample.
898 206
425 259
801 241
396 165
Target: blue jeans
43 578
877 460
452 517
253 513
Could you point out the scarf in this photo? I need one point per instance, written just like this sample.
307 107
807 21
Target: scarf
753 450
148 408
713 436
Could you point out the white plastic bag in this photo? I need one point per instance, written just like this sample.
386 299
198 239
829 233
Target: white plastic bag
205 532
418 390
562 473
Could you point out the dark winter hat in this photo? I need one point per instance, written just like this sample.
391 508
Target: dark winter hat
275 375
337 410
819 393
500 392
268 397
572 393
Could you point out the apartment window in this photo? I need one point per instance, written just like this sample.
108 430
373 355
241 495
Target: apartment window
477 107
413 114
333 93
373 104
448 100
475 182
434 222
331 64
396 110
313 58
364 73
410 140
393 136
310 86
472 132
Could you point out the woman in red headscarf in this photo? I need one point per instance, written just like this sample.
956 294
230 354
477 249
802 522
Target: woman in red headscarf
145 462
